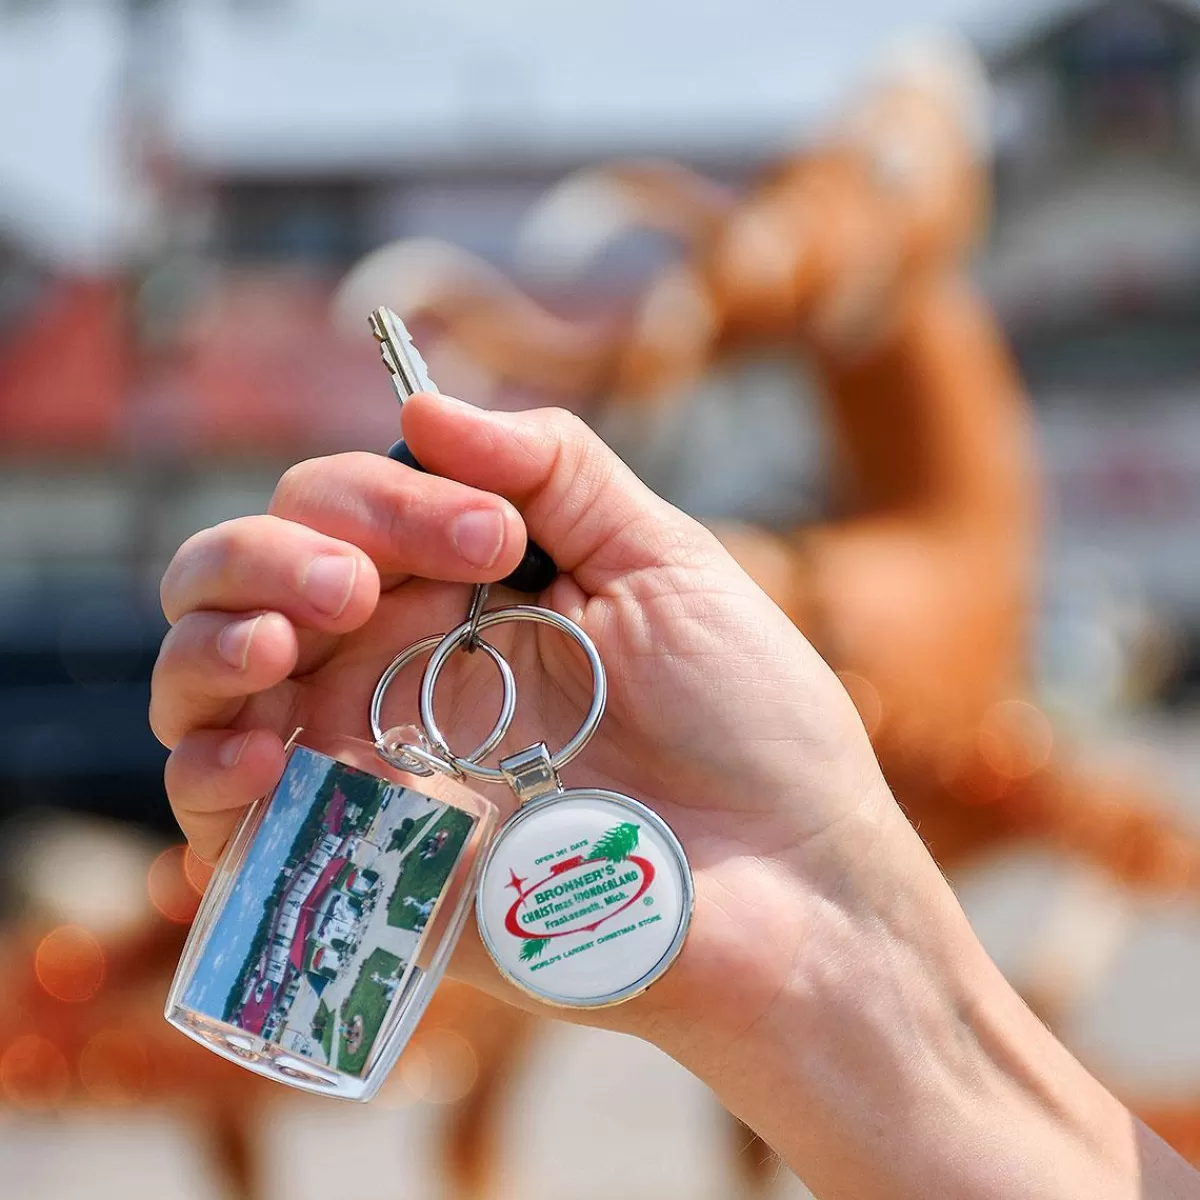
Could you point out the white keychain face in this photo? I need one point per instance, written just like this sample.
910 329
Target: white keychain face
585 898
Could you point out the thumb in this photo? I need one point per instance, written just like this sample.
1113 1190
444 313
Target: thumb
578 499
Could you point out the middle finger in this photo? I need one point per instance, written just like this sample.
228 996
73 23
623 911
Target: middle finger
263 562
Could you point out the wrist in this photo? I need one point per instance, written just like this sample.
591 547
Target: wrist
893 1060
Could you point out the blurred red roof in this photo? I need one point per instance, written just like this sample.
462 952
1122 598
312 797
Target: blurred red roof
256 368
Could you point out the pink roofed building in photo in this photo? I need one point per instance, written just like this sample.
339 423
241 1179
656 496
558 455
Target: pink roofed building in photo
324 875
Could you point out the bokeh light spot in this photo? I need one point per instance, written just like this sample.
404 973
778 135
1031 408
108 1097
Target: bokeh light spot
33 1073
438 1067
415 1070
450 1067
69 964
395 1092
169 888
114 1067
197 872
1015 739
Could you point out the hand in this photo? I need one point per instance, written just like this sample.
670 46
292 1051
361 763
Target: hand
720 715
830 989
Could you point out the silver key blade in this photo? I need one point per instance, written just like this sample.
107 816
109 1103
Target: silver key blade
402 359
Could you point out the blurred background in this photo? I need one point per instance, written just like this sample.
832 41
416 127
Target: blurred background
807 268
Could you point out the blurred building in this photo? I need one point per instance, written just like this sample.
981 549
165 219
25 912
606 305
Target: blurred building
181 185
1094 264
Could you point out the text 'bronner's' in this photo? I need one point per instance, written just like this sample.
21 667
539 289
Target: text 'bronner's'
586 887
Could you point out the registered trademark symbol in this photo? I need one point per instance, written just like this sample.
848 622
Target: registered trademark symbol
648 900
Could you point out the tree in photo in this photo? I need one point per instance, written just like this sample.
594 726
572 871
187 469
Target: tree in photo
402 834
323 1027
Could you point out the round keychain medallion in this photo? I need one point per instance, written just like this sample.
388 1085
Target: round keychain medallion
585 894
584 898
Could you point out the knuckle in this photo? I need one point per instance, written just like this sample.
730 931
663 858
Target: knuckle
231 544
181 647
175 774
207 560
302 487
294 485
162 729
579 452
180 570
568 427
389 507
161 695
175 656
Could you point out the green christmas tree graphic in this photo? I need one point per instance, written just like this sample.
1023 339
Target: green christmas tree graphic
618 843
532 947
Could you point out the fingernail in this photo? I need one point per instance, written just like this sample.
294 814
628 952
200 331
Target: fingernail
231 749
233 644
328 582
478 536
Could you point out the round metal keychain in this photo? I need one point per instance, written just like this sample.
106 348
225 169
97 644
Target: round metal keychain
585 894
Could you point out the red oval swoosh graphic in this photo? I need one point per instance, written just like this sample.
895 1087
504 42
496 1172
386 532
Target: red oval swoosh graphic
644 865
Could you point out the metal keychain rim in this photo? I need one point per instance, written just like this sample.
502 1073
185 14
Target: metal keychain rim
687 906
499 616
508 706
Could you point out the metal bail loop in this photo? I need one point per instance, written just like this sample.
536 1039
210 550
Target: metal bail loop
530 773
474 613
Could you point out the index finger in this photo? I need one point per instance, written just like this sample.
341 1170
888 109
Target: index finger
408 522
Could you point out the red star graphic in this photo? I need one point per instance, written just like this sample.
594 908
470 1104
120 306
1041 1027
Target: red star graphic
515 882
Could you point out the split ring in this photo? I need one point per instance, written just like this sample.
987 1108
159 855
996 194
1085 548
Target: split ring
508 706
498 616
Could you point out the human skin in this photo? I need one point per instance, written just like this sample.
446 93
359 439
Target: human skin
830 990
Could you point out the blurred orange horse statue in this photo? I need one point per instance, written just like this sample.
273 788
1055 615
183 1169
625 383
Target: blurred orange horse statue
919 588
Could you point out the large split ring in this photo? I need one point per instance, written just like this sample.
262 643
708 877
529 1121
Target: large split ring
407 756
469 765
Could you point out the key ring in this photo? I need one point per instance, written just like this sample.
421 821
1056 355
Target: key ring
498 616
427 762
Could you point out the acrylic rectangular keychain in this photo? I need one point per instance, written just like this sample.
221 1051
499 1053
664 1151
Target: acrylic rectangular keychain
331 918
334 912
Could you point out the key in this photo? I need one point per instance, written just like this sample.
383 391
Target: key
410 375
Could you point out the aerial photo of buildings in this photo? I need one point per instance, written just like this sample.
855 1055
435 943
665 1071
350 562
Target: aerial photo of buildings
327 911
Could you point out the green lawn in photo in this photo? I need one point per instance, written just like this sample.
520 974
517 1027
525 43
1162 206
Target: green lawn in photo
369 1001
422 878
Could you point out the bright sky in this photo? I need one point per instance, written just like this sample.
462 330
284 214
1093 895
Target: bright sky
235 928
392 80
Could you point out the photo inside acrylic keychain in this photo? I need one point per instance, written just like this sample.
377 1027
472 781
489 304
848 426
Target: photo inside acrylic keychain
331 919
